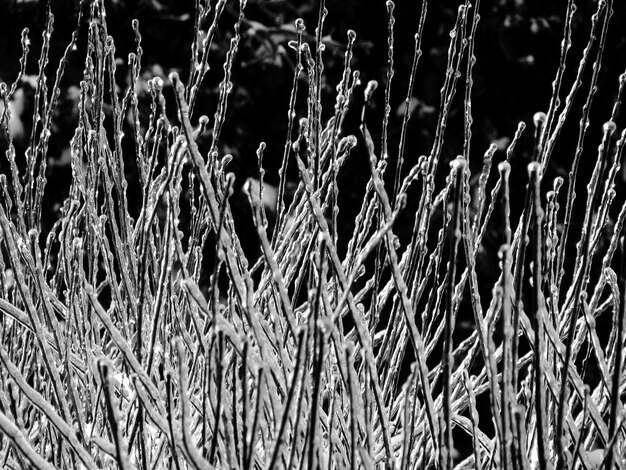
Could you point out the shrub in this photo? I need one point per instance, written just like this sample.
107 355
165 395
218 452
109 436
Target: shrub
328 351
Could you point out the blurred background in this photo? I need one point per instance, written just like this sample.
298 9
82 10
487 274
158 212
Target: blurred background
517 49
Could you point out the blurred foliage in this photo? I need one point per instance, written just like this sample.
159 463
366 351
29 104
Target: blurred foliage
517 49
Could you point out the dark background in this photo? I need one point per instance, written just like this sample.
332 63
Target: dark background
517 49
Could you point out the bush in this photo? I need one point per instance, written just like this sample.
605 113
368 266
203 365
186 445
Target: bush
137 333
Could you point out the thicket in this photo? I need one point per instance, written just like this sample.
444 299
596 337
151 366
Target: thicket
136 333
